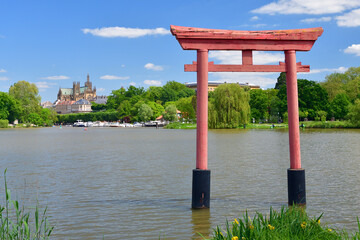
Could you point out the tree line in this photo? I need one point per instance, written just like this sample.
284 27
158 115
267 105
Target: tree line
230 105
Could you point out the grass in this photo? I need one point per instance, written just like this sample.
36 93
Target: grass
16 223
289 223
330 124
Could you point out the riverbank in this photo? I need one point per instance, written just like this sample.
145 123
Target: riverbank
306 124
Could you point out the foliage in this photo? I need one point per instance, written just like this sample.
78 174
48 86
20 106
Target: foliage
339 106
281 81
4 123
26 94
170 113
289 223
145 112
347 82
16 223
179 125
312 98
35 119
259 104
109 116
9 107
185 106
330 124
98 107
157 109
354 112
230 107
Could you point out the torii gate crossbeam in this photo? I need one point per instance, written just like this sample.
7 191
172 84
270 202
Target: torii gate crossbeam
202 40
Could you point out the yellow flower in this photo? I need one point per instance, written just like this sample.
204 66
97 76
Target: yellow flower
236 221
329 229
243 238
251 227
318 221
235 238
271 227
303 225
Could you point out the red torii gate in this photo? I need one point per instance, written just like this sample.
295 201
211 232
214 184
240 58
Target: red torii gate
202 40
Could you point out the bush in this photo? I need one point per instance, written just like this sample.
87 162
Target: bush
4 123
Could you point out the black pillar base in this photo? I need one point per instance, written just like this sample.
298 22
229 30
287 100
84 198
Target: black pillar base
201 189
296 186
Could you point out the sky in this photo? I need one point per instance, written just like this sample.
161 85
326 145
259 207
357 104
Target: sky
120 43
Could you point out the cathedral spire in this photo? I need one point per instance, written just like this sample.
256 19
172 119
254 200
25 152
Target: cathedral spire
88 78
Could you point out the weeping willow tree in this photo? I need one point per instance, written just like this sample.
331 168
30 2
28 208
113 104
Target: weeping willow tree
229 107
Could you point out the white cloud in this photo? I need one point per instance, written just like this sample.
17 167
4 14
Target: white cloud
351 19
235 57
152 82
254 18
321 70
132 84
307 7
4 78
100 89
154 67
112 32
42 86
353 49
60 77
2 71
313 20
112 77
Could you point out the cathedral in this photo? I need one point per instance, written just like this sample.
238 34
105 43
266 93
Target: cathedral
76 92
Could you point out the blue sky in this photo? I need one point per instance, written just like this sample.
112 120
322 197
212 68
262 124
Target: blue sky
122 43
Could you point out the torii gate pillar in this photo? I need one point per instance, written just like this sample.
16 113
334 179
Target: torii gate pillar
289 41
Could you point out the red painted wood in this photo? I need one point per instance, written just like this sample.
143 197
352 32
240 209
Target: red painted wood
293 34
247 57
202 110
246 68
278 40
293 109
256 45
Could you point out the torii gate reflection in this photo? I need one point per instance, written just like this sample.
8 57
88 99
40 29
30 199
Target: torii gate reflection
202 40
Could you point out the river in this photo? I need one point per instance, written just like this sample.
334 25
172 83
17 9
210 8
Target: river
120 183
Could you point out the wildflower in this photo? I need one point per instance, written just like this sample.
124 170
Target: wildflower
251 227
235 238
329 229
318 221
303 225
236 221
271 227
243 238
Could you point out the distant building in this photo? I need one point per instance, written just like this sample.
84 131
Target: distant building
76 92
47 104
65 107
212 85
100 99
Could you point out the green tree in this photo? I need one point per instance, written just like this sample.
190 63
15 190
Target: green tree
35 119
145 112
170 113
281 80
339 106
312 98
185 106
231 105
49 116
354 112
27 95
115 98
98 107
157 109
259 104
124 109
9 108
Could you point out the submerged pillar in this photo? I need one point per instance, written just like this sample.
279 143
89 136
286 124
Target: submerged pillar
296 175
201 175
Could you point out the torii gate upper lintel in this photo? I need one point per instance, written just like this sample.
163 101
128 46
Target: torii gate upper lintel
202 40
